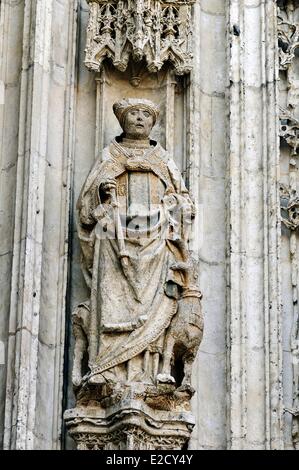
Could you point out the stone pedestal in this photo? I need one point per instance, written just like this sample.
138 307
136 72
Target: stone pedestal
130 419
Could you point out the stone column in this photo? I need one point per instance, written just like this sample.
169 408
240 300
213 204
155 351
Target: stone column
254 330
40 240
11 25
208 158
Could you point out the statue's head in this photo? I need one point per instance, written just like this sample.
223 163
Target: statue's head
136 117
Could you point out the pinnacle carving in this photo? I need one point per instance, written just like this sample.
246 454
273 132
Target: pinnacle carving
154 30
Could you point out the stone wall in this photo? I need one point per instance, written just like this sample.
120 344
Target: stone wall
11 27
51 129
38 63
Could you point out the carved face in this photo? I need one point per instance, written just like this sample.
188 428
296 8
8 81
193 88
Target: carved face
138 123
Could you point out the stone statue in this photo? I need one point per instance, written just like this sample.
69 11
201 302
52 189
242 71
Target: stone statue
142 322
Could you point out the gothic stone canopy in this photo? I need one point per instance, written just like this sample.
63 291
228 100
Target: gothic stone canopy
154 30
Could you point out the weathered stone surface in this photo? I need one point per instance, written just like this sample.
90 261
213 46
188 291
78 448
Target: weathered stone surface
11 25
288 42
41 138
158 31
220 124
130 425
142 323
255 354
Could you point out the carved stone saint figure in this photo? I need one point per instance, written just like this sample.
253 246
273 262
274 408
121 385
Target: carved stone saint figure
143 321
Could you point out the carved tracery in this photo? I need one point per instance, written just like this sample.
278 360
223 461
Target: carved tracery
155 30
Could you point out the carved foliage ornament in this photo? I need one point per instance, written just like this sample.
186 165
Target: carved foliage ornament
289 131
128 439
289 200
154 30
288 42
288 47
288 34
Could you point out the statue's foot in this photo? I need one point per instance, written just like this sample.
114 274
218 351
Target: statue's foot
165 379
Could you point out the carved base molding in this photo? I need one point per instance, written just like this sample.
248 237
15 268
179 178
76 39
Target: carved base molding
131 424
